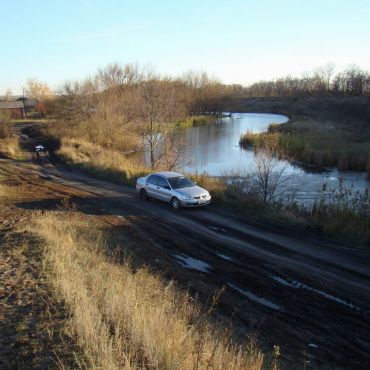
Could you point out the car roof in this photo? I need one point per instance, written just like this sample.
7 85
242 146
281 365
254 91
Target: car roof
168 174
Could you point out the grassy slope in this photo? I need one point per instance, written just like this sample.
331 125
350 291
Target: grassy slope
32 321
121 318
9 146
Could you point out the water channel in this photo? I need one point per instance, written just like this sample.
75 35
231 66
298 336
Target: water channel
214 149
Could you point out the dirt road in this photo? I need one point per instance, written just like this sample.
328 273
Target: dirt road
309 296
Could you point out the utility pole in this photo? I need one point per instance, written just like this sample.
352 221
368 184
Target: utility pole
23 100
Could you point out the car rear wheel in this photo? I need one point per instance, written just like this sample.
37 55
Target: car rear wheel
175 203
143 194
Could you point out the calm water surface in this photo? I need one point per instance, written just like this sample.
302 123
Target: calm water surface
214 149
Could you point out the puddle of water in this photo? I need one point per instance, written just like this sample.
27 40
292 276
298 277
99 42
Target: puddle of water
217 229
253 297
224 257
297 285
192 263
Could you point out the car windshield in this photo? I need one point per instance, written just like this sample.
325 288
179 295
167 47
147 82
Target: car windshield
180 182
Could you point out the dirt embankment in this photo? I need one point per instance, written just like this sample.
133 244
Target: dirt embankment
33 324
338 109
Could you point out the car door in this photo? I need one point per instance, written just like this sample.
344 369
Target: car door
164 189
151 186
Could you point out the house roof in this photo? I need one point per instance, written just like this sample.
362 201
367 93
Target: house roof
29 103
11 105
12 97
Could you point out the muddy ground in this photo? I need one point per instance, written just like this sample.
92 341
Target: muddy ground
309 296
33 324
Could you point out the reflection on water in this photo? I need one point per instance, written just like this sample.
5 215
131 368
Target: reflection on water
214 149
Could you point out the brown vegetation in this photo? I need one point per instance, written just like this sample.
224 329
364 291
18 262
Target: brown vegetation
130 108
130 319
314 143
110 164
322 82
9 145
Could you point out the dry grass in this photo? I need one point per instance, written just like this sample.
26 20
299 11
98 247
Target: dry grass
316 143
9 147
126 319
104 132
107 163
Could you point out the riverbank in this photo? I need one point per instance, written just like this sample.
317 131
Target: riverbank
323 132
354 109
316 143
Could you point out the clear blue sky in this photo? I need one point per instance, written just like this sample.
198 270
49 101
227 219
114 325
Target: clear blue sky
239 41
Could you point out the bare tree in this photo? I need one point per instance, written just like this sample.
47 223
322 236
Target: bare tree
325 74
38 90
113 75
8 95
172 154
271 182
157 105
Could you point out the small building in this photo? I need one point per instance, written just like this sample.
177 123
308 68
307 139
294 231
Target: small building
15 109
29 104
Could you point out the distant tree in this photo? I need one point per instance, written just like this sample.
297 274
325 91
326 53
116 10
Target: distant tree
38 90
8 95
114 75
205 93
325 74
323 81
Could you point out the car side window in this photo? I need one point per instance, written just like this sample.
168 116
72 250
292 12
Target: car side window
162 182
153 179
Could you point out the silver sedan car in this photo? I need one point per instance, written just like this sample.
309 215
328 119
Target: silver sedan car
174 188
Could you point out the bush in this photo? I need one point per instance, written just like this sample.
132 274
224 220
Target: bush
5 130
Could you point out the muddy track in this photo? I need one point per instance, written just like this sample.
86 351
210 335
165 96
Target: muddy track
310 296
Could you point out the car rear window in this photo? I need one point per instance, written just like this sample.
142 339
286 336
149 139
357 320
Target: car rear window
162 182
153 179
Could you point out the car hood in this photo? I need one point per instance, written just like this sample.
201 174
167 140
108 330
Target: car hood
194 191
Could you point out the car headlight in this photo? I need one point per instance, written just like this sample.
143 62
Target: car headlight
186 197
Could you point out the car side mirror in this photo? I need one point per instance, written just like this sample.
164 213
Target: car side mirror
167 187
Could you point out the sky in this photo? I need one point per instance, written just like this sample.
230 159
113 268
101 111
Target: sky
238 41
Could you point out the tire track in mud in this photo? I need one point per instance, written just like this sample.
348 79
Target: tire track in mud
301 312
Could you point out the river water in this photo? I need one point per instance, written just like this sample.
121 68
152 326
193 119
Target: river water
214 149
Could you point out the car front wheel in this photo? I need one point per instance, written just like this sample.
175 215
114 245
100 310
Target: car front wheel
175 203
143 194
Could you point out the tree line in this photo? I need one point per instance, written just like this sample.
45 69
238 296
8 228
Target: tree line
123 107
120 106
323 81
